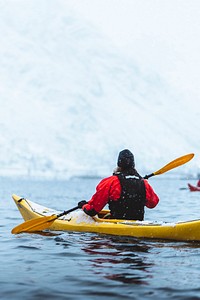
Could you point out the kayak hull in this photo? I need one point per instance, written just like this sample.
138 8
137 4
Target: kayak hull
78 221
193 188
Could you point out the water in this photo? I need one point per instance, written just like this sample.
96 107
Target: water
67 265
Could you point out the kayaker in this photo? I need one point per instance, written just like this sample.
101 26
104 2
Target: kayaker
125 192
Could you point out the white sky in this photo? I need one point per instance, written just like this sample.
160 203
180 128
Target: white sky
161 35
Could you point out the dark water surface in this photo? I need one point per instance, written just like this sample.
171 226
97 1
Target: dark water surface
62 265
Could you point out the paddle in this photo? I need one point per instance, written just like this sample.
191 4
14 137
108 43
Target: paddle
39 224
173 164
42 223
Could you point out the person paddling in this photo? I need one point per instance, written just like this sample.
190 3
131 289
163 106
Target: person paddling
125 192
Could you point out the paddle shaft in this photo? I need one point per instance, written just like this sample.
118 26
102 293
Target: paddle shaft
65 212
148 176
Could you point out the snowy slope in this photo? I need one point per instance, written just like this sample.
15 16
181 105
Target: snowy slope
70 101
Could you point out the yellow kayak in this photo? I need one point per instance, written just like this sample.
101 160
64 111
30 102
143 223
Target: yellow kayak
80 222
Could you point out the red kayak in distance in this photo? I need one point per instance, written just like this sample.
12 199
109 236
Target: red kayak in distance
193 188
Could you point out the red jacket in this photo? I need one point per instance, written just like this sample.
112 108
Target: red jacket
110 189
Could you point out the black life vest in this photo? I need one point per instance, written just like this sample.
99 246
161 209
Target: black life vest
130 205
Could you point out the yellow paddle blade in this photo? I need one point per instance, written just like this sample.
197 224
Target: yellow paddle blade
41 223
175 163
37 224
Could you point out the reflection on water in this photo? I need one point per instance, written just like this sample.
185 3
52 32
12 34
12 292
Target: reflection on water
117 258
44 233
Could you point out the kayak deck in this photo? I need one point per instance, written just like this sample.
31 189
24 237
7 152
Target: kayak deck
80 222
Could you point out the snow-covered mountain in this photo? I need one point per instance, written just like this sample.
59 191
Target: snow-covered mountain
70 101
